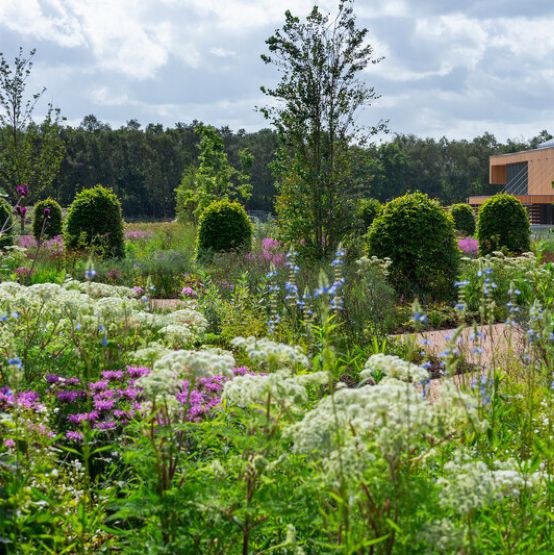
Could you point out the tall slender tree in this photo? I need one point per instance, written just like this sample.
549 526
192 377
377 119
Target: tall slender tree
320 60
30 153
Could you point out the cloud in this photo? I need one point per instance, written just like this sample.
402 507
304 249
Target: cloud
449 69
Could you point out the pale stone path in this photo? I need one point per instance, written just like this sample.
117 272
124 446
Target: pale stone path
493 346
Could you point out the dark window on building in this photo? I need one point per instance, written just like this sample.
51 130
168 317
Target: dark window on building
517 179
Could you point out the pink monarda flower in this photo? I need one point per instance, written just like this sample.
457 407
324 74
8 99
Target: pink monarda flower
74 436
468 246
137 235
23 272
9 443
189 292
269 244
113 375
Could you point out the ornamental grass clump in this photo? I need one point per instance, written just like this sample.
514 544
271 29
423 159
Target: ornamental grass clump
419 238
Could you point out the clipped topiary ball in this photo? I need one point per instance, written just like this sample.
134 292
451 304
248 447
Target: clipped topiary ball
6 224
503 225
94 222
464 218
418 236
224 227
47 219
367 210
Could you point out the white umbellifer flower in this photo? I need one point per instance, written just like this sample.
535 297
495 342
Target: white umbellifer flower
387 419
444 536
394 367
115 308
177 335
148 355
169 371
139 319
278 388
192 318
473 485
96 289
269 354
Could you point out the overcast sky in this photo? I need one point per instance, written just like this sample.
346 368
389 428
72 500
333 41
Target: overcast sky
454 68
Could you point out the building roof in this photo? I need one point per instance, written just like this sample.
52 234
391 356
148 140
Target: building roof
547 144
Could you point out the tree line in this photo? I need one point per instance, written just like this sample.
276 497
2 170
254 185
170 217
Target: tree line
144 165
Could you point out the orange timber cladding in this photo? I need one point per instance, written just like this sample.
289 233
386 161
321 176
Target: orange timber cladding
529 176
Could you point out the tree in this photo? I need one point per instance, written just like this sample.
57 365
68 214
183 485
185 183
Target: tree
30 153
318 95
214 178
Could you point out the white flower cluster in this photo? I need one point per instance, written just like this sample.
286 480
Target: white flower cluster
168 372
97 290
473 485
387 419
189 317
88 308
393 367
270 355
279 388
148 355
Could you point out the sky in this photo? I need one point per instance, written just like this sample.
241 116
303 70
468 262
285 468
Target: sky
450 68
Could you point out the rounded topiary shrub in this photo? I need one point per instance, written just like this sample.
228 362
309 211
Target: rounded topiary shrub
224 227
94 222
6 224
464 219
47 219
366 211
419 238
503 225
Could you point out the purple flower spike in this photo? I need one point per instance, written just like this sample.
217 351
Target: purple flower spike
22 190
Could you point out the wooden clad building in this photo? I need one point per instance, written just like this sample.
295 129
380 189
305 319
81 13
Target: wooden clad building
529 176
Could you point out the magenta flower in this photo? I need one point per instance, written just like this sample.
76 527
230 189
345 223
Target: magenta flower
70 396
113 375
469 246
9 443
104 404
269 244
74 436
22 190
46 212
188 292
137 372
99 385
79 417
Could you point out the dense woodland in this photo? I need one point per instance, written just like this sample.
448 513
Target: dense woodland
144 165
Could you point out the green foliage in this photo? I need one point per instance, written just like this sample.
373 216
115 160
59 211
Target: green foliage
94 221
464 218
214 177
30 153
314 111
367 210
47 224
418 236
224 227
6 224
503 225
